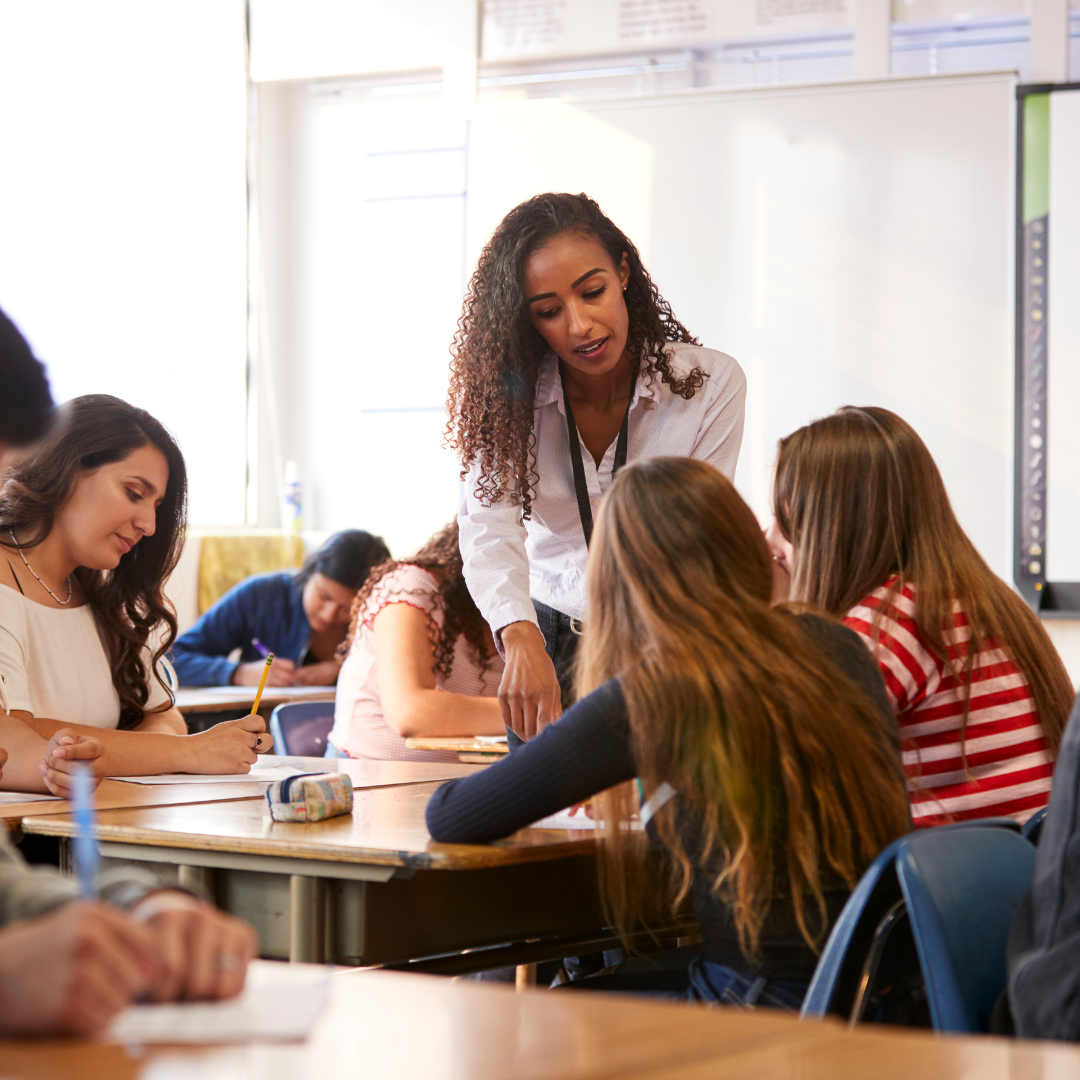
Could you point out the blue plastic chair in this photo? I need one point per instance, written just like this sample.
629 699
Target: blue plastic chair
301 728
962 889
1033 826
858 936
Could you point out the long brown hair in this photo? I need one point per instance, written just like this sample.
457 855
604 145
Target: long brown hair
129 601
442 555
861 500
496 354
761 735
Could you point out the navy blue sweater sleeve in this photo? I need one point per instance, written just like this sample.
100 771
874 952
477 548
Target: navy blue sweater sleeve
589 750
584 753
261 606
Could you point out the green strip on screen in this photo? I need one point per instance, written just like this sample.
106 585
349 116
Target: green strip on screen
1036 156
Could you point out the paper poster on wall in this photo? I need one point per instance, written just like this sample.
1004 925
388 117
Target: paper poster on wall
650 21
519 28
801 14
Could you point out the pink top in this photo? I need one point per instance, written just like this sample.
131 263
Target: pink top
359 727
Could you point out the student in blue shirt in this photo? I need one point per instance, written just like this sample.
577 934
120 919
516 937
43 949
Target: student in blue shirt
300 617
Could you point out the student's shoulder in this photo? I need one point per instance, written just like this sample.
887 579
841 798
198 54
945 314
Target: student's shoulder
720 368
825 630
838 642
274 584
12 611
406 582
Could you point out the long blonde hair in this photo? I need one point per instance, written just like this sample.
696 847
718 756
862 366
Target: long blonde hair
861 500
764 739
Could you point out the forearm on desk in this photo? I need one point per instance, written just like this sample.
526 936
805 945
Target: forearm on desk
586 752
441 713
127 753
166 722
26 751
411 703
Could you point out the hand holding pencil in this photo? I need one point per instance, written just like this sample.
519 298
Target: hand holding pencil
260 738
231 747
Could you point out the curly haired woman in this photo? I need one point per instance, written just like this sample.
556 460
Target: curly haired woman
414 633
567 363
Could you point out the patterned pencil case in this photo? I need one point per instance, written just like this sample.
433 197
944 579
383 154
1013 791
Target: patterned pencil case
310 797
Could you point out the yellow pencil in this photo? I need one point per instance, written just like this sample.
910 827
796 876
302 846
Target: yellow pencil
262 683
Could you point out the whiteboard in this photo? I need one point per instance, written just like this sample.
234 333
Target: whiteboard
1063 342
848 244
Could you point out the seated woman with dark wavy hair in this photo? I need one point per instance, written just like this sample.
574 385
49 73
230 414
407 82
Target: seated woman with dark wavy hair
765 753
92 522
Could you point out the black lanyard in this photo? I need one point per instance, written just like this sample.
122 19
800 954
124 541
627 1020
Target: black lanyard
582 489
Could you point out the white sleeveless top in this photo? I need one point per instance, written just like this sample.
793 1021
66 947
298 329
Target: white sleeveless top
54 665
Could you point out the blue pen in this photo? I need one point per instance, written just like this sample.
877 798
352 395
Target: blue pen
260 648
86 849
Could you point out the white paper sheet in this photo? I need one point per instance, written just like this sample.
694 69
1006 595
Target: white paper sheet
257 776
10 798
280 1003
575 818
491 738
243 692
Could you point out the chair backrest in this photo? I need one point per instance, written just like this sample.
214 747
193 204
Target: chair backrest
963 887
301 728
837 976
1033 826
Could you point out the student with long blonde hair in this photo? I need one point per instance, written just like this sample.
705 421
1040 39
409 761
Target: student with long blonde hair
865 526
761 740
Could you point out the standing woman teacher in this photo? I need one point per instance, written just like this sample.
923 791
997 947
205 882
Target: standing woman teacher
567 363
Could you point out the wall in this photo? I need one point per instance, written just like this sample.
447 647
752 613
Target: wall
123 216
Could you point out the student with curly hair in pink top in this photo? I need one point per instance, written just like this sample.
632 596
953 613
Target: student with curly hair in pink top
420 660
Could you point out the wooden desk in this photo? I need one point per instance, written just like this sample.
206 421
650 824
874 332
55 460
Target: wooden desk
387 1025
469 750
114 795
197 699
370 887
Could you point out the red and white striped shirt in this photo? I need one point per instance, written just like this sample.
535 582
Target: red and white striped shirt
1009 771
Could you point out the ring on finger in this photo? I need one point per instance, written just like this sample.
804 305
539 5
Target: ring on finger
227 962
258 741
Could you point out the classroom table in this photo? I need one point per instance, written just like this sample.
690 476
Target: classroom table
200 699
116 794
468 749
372 887
388 1025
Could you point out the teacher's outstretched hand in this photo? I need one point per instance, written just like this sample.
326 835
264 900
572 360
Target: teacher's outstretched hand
529 693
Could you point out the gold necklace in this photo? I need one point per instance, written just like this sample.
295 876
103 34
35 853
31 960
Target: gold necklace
40 582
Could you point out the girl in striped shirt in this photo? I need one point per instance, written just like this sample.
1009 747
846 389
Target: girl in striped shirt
865 529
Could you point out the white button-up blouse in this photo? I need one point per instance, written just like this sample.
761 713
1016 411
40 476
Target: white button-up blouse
508 560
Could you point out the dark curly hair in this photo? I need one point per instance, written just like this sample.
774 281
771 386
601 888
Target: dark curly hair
460 615
497 351
130 601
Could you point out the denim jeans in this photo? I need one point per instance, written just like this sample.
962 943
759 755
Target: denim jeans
560 643
716 984
333 751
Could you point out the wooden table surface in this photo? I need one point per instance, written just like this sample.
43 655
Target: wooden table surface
386 828
387 1025
196 699
115 794
119 794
